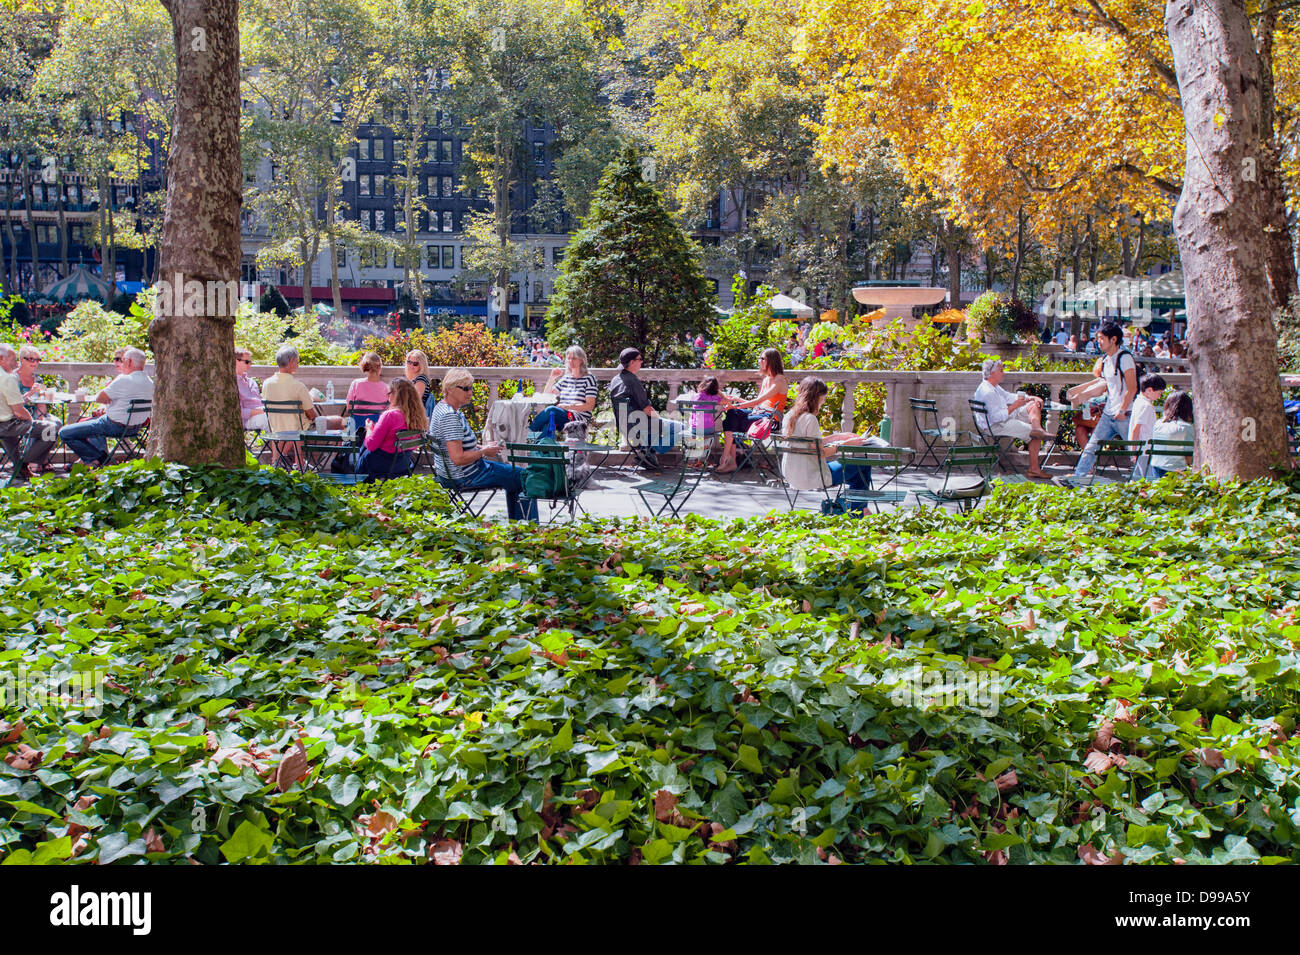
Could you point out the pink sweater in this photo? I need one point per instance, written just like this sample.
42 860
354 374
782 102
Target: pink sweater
382 435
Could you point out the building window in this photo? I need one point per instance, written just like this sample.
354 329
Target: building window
379 220
447 225
366 221
77 234
557 255
539 153
399 150
444 150
379 186
446 187
363 148
448 256
377 150
47 234
363 184
343 258
431 252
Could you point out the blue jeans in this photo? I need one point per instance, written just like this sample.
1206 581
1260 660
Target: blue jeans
89 439
509 477
1106 429
553 416
858 476
384 463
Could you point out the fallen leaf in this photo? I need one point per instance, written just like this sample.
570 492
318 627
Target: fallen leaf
446 852
1105 736
665 803
10 733
24 757
85 803
153 841
379 824
293 767
1096 762
1008 780
1091 856
1210 757
1156 604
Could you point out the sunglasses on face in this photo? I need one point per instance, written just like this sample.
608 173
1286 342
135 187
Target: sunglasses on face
34 361
469 388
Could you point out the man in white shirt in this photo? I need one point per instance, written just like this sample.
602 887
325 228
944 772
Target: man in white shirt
1012 415
89 439
1142 419
1119 372
1062 336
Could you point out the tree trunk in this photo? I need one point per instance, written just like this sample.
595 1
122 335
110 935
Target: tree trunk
63 228
1239 423
1280 262
196 404
1020 253
308 261
1094 252
334 260
110 257
28 186
952 252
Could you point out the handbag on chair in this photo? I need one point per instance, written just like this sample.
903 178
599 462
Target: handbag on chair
760 430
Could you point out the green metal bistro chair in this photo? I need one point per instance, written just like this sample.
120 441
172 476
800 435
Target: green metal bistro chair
409 442
676 491
319 452
925 415
967 473
1122 455
555 458
1002 444
801 447
1157 447
470 501
131 442
883 462
283 444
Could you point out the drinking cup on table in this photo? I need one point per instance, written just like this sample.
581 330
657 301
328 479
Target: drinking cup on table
321 424
81 394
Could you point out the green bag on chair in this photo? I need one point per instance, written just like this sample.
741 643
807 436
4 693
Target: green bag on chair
544 481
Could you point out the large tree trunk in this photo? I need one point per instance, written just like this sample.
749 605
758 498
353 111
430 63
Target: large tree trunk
1239 424
196 404
1280 264
951 239
63 228
28 186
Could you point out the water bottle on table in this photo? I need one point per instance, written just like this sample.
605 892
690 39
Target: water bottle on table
329 390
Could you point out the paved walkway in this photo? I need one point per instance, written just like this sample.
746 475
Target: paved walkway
611 494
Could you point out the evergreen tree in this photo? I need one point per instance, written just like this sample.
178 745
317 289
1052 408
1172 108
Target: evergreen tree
631 276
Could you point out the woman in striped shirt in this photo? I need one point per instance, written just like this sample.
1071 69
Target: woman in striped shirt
575 391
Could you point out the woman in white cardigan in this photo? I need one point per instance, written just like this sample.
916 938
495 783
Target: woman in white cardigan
804 472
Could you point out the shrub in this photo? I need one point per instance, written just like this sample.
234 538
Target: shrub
1287 321
273 300
994 318
739 340
263 333
91 333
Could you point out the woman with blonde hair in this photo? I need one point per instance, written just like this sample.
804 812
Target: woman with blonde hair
369 390
417 373
575 389
405 412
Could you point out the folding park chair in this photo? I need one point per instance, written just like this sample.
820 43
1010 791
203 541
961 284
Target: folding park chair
808 447
131 442
882 461
676 492
370 410
554 455
1182 449
1118 450
319 451
643 455
409 442
709 411
757 453
464 499
15 463
283 443
1002 444
964 490
925 415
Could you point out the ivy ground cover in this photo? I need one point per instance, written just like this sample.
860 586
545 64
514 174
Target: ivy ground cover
288 673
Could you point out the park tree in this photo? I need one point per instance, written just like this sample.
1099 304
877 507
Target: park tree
311 77
1225 253
195 416
518 63
631 275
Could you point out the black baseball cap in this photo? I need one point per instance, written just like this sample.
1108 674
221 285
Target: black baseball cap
628 355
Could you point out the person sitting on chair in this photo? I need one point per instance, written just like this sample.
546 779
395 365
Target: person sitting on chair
251 410
634 416
769 403
89 439
44 427
1018 416
405 412
575 390
469 466
800 470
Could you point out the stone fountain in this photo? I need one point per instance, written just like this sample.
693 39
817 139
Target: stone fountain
898 300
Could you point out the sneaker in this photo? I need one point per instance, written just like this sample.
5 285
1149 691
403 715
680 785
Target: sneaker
1063 480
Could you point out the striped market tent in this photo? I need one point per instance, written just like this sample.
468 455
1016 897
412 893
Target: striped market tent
80 284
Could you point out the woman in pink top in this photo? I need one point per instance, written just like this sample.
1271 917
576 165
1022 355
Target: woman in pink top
370 389
405 412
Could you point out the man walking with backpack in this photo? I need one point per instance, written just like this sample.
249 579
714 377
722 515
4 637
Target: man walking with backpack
1119 372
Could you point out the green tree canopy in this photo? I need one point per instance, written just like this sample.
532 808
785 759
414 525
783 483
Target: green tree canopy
631 276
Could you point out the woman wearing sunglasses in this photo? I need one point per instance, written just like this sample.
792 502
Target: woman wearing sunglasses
468 463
